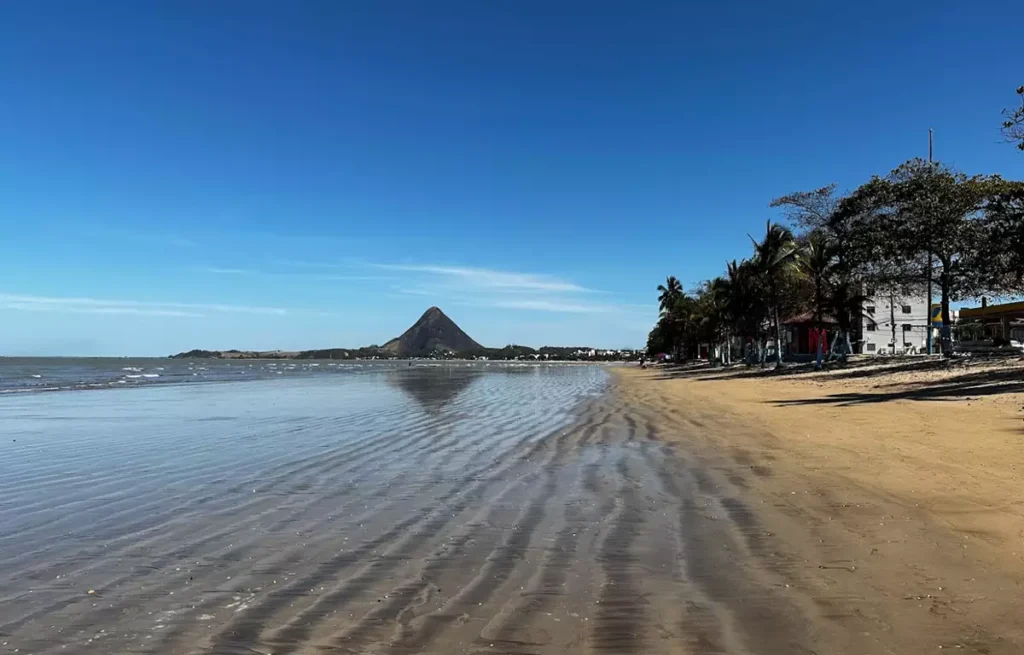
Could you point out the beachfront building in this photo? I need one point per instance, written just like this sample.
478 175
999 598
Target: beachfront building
800 335
1003 322
873 332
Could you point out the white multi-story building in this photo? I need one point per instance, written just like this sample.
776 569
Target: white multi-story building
910 316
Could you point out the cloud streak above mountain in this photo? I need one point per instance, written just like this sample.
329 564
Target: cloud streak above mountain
482 278
527 292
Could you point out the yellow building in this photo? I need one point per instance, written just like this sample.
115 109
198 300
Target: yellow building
1001 321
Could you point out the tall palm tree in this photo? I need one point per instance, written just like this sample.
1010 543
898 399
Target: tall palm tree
719 317
744 300
817 261
776 256
671 292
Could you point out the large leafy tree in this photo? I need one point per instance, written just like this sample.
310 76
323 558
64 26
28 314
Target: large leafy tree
872 257
1013 123
1003 243
923 210
811 211
938 210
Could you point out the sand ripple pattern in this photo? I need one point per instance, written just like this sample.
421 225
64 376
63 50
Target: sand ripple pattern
520 510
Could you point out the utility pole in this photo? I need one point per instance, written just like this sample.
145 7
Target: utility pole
928 309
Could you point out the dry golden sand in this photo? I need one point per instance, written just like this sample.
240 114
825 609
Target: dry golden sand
887 499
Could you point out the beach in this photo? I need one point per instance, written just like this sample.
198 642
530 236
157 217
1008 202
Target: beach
886 498
459 508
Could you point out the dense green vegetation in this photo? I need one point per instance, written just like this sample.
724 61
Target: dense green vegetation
891 235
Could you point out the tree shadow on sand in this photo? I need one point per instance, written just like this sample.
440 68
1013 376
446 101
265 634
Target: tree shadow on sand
861 368
959 383
962 387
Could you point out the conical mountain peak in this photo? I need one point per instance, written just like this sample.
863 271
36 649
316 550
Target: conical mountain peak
433 332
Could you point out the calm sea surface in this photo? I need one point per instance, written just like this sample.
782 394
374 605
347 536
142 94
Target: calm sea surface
138 494
240 508
29 374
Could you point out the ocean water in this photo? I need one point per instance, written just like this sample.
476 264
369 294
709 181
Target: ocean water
436 508
33 374
123 510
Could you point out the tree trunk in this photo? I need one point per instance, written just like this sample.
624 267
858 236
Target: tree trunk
842 343
778 337
946 335
819 330
892 319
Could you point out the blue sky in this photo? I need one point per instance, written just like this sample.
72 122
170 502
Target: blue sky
313 174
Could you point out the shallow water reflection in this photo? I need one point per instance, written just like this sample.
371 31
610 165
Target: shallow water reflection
434 387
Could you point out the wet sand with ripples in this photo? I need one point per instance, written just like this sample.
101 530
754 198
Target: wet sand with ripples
445 510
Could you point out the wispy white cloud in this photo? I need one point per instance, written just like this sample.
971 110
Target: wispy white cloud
556 305
296 263
75 309
489 288
415 291
463 285
337 277
331 277
536 303
482 278
102 306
